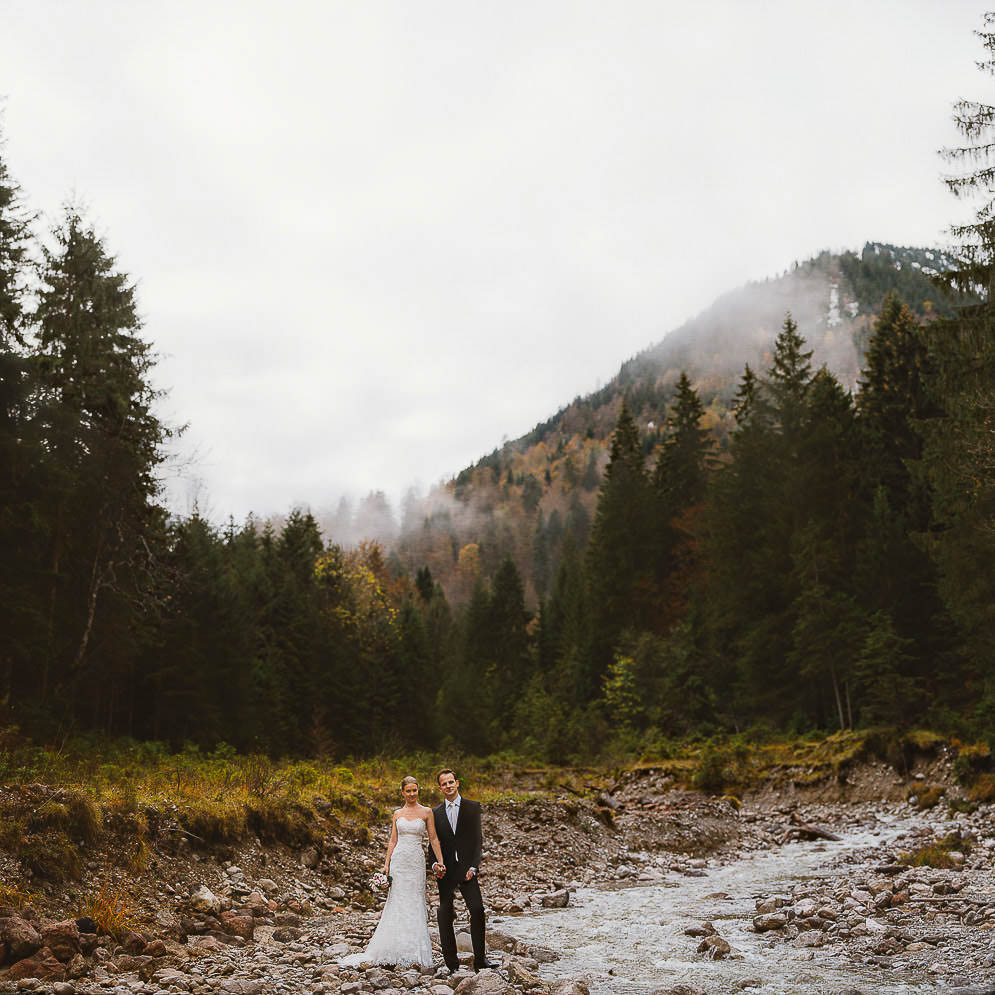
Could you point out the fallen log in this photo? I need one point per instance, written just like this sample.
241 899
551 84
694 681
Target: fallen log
890 868
801 830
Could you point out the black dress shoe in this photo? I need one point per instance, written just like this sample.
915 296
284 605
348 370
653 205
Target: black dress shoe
487 965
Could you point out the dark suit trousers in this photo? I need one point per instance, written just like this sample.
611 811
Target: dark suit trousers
470 890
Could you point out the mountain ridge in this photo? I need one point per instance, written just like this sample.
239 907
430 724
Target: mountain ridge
525 498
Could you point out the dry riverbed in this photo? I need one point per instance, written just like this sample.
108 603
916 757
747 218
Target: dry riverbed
275 919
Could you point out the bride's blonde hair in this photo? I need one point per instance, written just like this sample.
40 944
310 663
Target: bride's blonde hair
408 780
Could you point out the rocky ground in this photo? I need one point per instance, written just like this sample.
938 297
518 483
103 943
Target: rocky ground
257 918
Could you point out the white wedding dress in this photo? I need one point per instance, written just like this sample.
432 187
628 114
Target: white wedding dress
401 937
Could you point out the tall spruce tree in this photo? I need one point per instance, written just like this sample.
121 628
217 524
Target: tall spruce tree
21 528
974 179
105 445
959 450
787 383
680 470
758 509
893 403
620 560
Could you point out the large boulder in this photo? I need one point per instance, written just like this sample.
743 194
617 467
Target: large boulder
62 938
43 965
18 939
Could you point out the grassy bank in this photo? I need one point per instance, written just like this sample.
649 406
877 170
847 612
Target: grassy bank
141 790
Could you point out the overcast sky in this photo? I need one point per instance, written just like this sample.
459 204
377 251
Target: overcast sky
373 239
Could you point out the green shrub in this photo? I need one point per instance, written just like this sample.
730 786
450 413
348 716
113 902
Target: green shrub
927 856
983 789
53 857
291 824
925 796
212 824
711 774
85 818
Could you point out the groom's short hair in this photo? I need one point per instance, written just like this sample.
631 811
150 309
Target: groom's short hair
445 770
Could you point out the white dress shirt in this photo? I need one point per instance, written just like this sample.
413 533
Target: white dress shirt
452 811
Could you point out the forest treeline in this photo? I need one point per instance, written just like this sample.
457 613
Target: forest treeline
826 560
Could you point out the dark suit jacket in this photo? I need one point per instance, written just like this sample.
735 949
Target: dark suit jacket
467 841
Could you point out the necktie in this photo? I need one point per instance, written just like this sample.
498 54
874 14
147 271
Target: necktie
452 812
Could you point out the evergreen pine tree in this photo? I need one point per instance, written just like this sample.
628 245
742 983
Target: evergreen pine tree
679 476
975 121
104 449
21 526
620 561
893 403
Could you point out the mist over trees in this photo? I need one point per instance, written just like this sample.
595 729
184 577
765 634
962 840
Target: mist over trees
780 518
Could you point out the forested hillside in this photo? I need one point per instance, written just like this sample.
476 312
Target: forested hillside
781 516
522 500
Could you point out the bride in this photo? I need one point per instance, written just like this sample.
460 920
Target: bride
401 937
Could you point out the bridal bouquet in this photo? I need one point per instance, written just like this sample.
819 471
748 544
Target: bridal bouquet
380 881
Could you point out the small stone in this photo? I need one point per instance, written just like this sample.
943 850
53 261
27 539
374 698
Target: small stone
714 947
810 938
484 983
497 940
206 944
77 967
237 925
378 978
569 986
555 900
243 986
771 920
204 900
519 974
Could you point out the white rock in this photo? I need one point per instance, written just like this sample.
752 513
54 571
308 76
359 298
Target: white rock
204 900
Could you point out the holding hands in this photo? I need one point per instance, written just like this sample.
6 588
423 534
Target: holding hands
439 870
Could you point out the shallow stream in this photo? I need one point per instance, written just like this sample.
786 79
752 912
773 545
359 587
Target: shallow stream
637 932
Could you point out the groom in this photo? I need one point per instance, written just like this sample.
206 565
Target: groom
457 823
